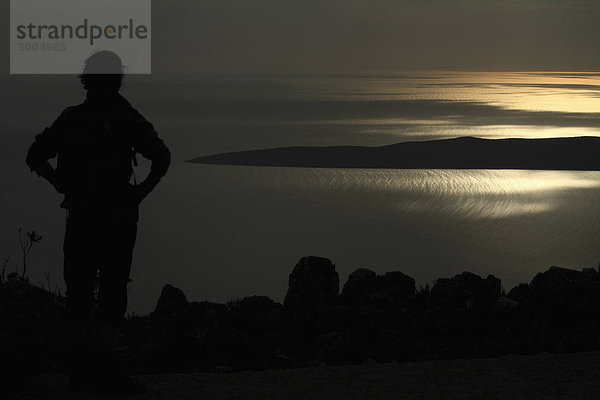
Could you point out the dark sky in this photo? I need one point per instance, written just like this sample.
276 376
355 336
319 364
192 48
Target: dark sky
298 35
348 35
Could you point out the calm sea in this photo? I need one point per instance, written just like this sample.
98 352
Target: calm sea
220 232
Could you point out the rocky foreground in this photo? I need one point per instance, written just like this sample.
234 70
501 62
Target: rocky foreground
544 376
375 318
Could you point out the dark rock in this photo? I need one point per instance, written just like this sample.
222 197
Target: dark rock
30 322
398 285
467 290
505 303
255 315
255 304
559 280
172 318
365 288
313 284
171 301
520 293
337 318
28 311
590 273
376 317
379 300
334 348
563 288
360 282
207 314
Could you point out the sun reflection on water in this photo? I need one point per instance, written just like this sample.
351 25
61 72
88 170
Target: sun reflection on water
533 91
488 194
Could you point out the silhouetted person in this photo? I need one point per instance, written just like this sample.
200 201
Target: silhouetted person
96 143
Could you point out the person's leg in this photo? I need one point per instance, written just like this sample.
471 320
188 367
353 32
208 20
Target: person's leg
115 267
80 269
118 240
112 304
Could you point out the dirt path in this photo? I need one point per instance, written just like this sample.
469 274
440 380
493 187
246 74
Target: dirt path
567 376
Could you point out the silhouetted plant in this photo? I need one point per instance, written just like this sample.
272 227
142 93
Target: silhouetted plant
12 277
3 272
423 290
234 303
27 241
56 290
47 277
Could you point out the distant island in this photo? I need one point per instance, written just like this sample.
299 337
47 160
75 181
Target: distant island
577 153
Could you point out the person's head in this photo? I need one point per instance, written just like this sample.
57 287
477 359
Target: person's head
102 72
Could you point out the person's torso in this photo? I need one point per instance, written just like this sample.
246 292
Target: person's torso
95 157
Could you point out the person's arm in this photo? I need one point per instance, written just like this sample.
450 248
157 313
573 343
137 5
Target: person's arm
150 146
44 148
